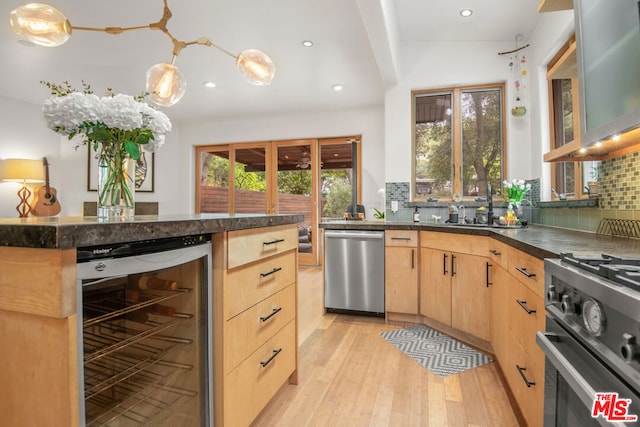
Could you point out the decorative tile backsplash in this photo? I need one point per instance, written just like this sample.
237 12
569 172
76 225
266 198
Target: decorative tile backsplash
620 182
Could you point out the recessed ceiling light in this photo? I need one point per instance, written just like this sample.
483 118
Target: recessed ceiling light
209 84
337 87
616 137
598 144
465 13
307 43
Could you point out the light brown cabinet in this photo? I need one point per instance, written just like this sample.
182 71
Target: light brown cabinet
255 326
518 313
401 268
454 284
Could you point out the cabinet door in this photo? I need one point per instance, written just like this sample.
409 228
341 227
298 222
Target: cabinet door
471 297
435 295
401 279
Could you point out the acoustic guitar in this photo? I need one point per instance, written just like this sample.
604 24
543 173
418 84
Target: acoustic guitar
46 199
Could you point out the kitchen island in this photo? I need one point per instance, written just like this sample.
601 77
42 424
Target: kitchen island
39 293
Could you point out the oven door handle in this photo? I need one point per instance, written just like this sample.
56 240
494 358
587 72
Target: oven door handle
578 384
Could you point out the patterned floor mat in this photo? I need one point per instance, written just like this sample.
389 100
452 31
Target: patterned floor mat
437 352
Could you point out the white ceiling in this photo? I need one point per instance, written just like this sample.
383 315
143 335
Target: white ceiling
340 29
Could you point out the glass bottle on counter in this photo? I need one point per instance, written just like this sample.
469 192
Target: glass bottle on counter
416 215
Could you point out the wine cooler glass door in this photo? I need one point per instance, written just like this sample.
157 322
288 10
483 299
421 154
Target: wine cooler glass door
144 328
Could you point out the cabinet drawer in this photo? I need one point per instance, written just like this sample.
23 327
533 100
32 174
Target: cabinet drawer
407 238
245 287
250 329
464 244
528 270
245 246
498 253
250 386
530 398
527 316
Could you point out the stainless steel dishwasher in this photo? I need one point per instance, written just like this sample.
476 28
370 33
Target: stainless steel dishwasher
354 271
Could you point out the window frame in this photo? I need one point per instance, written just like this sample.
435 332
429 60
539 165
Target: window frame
457 148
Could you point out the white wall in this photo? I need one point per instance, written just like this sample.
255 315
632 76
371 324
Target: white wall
25 135
368 122
446 64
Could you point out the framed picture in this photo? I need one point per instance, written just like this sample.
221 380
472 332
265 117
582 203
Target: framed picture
144 171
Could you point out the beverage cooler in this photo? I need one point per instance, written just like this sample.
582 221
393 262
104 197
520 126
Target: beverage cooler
144 331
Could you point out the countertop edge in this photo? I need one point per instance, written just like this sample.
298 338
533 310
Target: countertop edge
66 233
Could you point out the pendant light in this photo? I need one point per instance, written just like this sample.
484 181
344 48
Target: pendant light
44 25
165 84
40 24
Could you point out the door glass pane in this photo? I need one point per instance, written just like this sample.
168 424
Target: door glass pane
214 182
335 180
250 193
294 189
481 140
433 145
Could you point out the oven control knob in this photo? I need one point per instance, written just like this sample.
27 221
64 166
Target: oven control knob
630 349
567 306
552 296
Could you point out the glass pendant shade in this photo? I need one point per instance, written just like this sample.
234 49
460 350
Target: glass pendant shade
165 84
41 24
255 67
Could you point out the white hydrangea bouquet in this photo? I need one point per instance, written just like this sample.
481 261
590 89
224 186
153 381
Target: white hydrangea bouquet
117 126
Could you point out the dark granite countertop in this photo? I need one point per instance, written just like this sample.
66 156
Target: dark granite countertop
70 232
537 240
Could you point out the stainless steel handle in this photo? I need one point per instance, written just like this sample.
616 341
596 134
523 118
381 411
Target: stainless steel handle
525 272
330 235
401 238
493 251
270 315
576 382
413 256
270 359
444 264
523 304
487 275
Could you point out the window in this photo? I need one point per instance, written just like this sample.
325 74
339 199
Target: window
568 178
458 141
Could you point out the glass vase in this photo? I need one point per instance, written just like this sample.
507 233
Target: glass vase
116 185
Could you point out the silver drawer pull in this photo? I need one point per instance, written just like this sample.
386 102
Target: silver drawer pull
272 242
401 238
525 272
493 251
270 315
275 270
524 377
273 356
523 304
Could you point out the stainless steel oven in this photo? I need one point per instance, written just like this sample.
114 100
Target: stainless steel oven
144 329
592 369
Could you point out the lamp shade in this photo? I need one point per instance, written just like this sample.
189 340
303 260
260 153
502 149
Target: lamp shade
255 67
41 24
165 84
22 170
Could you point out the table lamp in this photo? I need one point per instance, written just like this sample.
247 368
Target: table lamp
25 171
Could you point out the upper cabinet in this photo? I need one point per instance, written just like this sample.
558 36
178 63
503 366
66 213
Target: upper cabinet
594 90
554 5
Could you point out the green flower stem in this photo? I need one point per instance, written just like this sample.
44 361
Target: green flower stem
115 190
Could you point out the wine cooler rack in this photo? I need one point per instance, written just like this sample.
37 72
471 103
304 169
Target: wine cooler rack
135 342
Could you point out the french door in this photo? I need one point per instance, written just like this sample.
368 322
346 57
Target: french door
278 177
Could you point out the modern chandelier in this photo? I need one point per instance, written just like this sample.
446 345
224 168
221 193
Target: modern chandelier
44 25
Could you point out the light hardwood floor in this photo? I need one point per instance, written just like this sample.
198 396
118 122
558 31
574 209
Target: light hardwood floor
350 376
